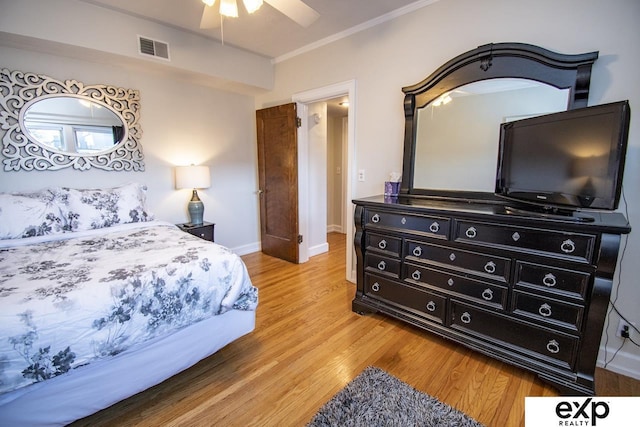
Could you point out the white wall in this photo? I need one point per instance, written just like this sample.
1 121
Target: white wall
335 174
317 183
88 31
182 123
404 51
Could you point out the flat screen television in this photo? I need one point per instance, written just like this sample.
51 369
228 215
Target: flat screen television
566 161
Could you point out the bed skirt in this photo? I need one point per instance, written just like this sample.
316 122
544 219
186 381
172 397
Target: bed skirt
93 387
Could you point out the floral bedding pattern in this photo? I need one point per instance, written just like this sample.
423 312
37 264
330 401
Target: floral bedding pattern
73 300
63 210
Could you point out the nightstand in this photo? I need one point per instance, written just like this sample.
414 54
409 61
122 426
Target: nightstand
204 230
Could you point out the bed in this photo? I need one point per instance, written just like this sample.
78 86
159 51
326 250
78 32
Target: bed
99 301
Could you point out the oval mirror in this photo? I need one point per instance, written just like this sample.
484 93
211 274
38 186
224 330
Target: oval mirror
70 124
457 133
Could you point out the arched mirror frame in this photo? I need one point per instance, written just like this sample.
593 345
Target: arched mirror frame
491 61
19 90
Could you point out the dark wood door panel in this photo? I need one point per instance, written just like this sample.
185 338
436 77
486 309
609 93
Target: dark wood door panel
278 178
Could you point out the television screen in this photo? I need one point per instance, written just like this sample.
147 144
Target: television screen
572 159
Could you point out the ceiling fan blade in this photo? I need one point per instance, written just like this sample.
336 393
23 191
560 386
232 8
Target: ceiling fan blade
296 10
210 17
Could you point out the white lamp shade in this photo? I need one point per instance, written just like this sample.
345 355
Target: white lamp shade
193 177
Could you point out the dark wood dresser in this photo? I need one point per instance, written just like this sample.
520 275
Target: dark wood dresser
528 289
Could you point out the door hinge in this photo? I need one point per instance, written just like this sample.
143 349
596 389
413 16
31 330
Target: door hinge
299 238
298 122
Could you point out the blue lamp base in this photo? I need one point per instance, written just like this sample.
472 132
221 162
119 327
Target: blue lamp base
196 209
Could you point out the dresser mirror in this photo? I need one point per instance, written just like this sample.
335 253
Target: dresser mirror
50 124
466 122
453 116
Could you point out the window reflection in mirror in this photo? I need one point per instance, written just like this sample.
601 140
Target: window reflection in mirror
457 133
73 125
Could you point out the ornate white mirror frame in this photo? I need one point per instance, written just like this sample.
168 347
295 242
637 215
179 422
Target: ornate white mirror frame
18 91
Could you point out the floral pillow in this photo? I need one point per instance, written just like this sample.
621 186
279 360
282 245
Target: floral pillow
28 215
99 208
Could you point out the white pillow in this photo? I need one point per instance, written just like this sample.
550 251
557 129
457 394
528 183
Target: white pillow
28 215
99 208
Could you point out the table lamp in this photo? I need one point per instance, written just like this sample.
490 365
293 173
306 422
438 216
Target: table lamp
194 177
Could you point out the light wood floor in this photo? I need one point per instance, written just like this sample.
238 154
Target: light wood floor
308 344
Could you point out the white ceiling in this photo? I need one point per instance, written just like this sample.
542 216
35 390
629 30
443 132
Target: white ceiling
268 32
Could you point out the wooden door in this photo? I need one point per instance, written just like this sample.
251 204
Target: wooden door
278 180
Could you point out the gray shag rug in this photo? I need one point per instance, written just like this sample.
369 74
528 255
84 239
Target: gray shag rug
375 398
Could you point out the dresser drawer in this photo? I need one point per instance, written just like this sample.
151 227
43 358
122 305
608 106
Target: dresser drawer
382 264
417 301
490 266
569 245
486 293
559 281
432 226
548 310
530 340
385 244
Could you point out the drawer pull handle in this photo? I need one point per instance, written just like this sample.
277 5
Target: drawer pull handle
382 266
403 220
452 257
471 232
434 227
415 275
549 280
515 236
568 246
375 287
553 347
382 244
545 310
487 294
450 282
431 306
466 317
490 267
417 251
375 218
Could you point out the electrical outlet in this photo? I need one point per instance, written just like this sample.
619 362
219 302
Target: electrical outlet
361 175
622 326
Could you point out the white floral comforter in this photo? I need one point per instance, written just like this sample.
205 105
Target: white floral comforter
82 297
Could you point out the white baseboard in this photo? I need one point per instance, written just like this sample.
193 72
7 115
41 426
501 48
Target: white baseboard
334 228
353 277
624 363
247 249
318 249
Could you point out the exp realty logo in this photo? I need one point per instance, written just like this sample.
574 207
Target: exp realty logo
580 411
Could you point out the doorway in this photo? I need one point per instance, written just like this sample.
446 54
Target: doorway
304 101
327 136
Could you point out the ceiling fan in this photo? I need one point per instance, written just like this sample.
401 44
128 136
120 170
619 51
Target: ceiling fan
295 10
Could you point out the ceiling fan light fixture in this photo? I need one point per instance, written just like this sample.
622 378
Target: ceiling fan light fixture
229 8
252 5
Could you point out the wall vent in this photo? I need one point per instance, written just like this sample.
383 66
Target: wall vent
155 48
